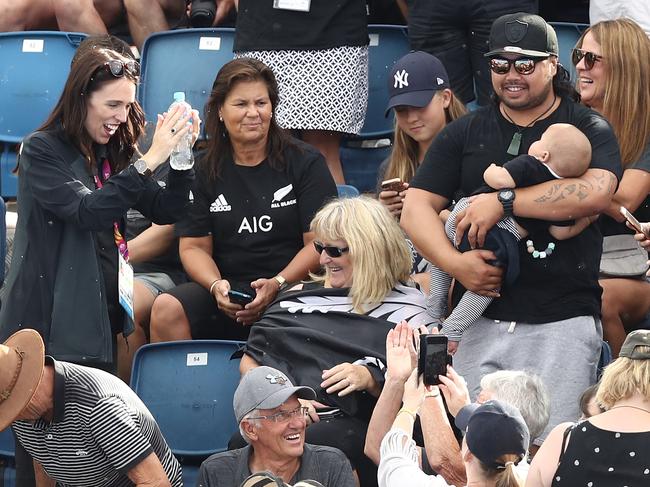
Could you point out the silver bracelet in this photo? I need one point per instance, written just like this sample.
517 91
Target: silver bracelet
214 283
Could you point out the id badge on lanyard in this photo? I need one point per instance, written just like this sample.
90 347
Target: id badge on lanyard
297 5
125 285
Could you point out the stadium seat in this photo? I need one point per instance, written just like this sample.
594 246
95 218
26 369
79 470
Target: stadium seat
347 191
388 43
8 476
7 446
182 60
33 71
8 180
567 37
188 386
190 475
360 165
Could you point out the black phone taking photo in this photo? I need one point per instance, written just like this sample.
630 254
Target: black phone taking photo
239 297
433 358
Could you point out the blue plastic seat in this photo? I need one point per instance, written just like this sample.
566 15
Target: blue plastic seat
182 60
360 165
347 191
388 43
33 71
7 445
567 37
8 180
188 386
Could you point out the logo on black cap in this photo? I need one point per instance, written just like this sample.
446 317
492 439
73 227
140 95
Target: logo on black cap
516 30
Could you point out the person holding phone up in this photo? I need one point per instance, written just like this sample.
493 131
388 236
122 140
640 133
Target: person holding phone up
256 192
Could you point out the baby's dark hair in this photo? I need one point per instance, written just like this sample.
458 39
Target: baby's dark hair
587 396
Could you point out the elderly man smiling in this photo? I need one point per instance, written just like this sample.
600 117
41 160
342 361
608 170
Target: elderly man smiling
273 421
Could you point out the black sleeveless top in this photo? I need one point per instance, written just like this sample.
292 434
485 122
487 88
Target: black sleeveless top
597 457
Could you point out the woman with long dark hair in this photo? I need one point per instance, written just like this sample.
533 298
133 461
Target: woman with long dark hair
76 184
248 231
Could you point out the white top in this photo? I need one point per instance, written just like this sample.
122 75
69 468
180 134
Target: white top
637 10
399 463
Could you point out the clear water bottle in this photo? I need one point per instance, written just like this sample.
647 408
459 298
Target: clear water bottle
182 157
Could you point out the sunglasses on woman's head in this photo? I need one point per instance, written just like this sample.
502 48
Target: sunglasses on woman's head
523 65
330 250
590 58
118 68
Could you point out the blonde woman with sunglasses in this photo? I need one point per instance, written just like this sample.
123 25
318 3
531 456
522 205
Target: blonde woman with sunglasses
611 59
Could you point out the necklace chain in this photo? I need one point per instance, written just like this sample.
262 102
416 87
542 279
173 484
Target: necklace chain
515 143
629 406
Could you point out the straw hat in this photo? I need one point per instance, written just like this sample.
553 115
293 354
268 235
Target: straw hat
22 358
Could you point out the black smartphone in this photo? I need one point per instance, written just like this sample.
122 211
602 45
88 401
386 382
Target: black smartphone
433 358
239 297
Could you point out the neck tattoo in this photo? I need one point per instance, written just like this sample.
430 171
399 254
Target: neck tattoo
515 143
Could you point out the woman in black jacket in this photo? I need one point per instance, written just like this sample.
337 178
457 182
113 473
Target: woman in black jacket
76 185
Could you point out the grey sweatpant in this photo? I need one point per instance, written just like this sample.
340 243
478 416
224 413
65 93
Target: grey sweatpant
563 353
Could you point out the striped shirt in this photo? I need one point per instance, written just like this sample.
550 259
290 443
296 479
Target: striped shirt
99 431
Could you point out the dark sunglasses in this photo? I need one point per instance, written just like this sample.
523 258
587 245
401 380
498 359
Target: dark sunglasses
330 250
523 65
118 68
590 58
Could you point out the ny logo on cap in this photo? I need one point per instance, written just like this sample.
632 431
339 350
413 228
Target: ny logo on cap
401 79
276 379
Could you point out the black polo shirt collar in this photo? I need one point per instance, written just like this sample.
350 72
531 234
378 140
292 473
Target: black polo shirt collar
59 390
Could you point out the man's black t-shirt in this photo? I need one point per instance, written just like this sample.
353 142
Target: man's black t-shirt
565 284
328 24
257 215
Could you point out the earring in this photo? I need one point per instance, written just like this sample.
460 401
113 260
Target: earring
220 118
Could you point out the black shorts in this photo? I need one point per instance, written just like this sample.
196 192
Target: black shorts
206 320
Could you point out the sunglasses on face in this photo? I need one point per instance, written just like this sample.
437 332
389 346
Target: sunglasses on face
590 58
330 250
522 65
118 68
286 416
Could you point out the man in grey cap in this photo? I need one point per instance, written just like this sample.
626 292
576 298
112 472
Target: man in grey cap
546 321
272 420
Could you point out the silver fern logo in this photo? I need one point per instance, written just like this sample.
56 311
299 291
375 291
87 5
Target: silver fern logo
402 303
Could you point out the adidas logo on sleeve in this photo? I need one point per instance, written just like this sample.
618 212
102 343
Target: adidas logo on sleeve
220 204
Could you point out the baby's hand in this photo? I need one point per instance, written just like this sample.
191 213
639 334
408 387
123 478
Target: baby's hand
452 346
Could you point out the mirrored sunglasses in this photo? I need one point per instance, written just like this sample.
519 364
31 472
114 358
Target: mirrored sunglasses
522 65
330 249
590 58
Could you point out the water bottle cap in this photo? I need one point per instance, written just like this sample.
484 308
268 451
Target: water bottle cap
179 96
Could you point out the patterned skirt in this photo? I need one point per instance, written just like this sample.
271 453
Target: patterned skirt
325 89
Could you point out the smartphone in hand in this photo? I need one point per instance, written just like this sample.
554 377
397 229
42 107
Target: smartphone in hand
395 184
239 297
433 358
632 220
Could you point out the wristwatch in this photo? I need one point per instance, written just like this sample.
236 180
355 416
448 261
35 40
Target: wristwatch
281 281
141 166
507 198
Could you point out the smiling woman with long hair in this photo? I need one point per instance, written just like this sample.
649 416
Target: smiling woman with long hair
613 63
76 184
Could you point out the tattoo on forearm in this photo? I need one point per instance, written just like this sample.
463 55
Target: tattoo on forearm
560 191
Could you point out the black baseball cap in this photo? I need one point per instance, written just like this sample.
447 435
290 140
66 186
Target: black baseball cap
637 338
493 429
522 33
414 80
